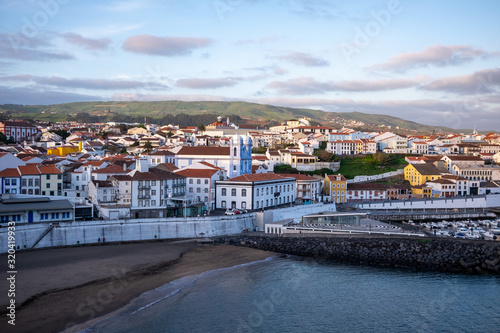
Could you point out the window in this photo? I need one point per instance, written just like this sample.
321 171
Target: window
47 185
153 182
55 216
206 190
14 182
7 182
223 192
59 176
233 192
77 178
47 176
153 202
198 190
190 190
223 204
243 192
243 204
190 181
206 181
198 181
257 192
51 192
257 205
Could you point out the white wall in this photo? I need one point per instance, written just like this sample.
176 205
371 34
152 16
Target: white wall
492 200
70 233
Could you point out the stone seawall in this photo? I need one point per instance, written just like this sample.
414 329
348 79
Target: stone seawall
421 254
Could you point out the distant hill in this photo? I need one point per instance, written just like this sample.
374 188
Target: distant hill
250 113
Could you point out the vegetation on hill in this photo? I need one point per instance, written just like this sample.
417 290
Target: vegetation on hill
193 113
371 164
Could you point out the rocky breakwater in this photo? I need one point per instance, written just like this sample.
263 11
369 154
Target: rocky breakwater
421 254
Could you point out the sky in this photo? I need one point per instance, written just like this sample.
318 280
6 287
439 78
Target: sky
433 62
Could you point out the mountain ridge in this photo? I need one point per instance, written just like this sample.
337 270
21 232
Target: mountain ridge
249 112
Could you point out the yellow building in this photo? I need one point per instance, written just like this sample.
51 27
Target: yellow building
65 150
336 187
421 191
418 174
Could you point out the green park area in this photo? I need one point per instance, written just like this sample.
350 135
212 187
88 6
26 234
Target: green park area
371 164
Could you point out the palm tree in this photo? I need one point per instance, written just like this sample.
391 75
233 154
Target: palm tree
148 147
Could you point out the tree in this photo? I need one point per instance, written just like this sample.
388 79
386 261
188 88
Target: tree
123 128
201 128
141 126
62 133
285 168
148 147
3 137
324 155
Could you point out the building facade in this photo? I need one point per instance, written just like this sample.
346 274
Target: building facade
255 191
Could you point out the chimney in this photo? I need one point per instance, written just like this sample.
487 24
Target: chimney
124 167
141 164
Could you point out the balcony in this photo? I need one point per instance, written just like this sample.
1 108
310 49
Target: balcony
144 186
144 196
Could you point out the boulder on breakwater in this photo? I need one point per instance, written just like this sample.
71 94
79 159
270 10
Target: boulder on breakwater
423 254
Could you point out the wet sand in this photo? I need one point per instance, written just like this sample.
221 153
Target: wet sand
59 288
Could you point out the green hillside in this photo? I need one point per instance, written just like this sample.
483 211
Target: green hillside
250 113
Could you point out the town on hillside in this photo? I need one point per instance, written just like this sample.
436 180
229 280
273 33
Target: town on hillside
115 171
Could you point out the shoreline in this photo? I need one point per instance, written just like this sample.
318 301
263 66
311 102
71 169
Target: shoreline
81 303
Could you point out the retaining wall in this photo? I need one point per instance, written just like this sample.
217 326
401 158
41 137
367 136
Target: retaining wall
420 254
73 233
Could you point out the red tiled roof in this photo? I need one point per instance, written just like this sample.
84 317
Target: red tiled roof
256 177
93 163
168 166
29 169
112 168
299 176
464 158
203 151
334 178
49 169
11 172
196 173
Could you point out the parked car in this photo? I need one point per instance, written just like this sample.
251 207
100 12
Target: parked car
229 212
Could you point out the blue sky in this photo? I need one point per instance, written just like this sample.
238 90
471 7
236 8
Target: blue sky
432 62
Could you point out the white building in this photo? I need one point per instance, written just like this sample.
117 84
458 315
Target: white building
235 159
200 182
255 191
153 191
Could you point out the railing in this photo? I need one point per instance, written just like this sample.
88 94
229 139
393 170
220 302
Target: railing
144 196
144 186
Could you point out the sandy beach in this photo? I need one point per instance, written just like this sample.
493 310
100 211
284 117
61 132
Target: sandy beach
59 288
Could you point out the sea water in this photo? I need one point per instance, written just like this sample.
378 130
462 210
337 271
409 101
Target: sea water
301 295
